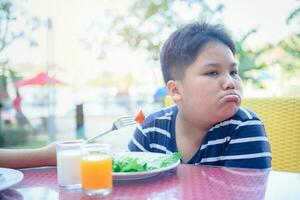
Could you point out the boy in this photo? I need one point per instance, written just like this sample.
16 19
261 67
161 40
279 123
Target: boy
207 125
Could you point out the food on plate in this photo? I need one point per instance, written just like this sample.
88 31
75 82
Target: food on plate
131 163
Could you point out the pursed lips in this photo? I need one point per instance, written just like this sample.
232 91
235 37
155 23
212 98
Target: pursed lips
232 96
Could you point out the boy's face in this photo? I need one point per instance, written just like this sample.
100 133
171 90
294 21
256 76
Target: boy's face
211 88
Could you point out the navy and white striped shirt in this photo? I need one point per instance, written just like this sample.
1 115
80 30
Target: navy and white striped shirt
236 142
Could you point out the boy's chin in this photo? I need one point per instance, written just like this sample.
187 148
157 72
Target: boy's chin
228 113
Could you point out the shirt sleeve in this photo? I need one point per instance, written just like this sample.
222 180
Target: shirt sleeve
139 141
248 147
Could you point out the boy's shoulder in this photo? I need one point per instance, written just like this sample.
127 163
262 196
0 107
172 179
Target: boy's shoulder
163 113
245 114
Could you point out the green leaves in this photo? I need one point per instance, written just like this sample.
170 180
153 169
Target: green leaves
147 23
135 164
292 16
128 164
170 159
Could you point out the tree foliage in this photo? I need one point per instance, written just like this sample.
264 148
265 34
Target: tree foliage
15 23
292 44
290 56
148 23
248 59
293 16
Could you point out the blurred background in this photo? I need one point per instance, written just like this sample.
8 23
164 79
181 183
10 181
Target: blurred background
69 68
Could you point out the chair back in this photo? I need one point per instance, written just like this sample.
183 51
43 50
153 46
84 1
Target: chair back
281 117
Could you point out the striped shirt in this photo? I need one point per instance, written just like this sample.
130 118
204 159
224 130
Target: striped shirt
236 142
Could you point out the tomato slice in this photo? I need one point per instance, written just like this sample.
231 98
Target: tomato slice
140 117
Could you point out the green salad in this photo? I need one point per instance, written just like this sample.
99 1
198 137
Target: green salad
136 164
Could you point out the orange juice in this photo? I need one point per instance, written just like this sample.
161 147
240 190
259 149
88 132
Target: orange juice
96 172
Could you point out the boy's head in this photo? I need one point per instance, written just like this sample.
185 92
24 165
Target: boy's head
201 73
184 45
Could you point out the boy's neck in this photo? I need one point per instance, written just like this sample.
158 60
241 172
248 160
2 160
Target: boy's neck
189 138
189 129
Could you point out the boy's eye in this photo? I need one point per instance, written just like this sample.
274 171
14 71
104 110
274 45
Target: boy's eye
234 72
213 73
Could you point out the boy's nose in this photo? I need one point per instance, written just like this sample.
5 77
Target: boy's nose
228 83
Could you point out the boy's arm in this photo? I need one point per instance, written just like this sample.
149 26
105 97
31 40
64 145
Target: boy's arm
22 158
248 147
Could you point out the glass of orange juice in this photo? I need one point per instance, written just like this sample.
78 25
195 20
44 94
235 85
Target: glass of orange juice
96 169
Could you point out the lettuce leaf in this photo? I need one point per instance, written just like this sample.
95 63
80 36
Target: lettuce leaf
173 158
134 164
128 164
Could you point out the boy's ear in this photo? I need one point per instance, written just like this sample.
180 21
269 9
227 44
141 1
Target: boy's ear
173 88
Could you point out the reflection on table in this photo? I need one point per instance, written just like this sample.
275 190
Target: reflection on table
186 182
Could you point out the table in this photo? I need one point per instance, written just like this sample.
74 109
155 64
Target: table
185 182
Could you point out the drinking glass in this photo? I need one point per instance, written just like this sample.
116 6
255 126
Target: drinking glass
96 169
68 157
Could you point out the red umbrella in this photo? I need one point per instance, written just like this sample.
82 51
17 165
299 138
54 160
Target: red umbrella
40 79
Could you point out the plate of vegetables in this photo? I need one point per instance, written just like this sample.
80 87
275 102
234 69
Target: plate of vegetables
140 165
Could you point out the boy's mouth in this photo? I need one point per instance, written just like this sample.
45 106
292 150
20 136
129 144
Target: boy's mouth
233 97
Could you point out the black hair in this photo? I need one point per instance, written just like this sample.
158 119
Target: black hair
185 44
